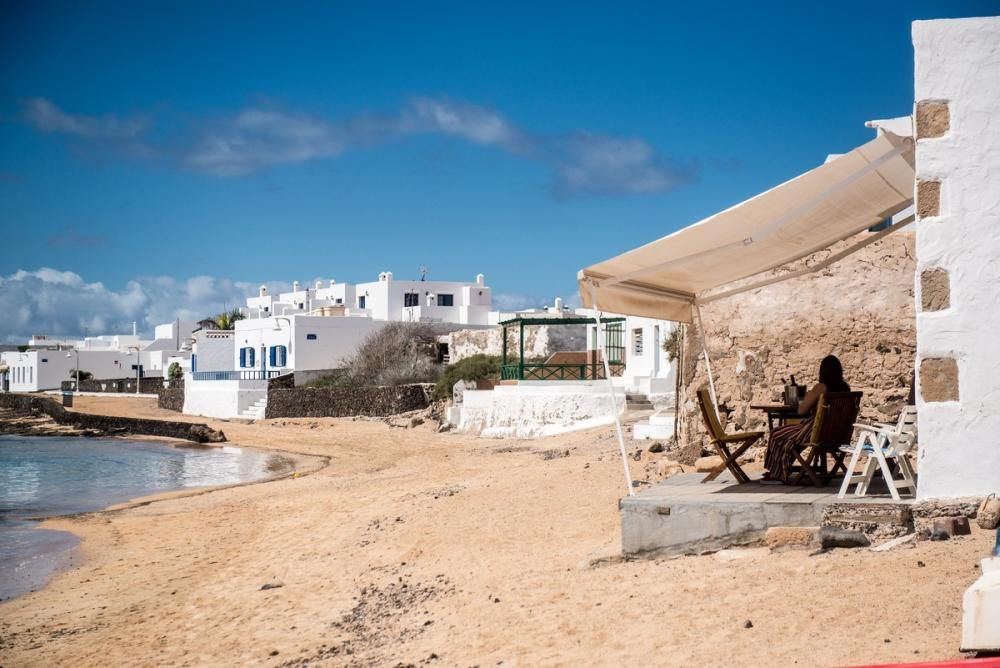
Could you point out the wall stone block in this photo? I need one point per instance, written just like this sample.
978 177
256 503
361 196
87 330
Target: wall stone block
928 199
939 379
933 119
935 290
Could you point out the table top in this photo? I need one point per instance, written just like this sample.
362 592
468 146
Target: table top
775 408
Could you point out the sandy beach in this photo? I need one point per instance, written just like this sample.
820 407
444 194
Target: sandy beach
412 547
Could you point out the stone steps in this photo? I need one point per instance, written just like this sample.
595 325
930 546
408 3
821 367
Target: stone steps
256 410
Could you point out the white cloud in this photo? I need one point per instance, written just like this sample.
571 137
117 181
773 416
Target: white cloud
598 164
256 139
62 303
47 117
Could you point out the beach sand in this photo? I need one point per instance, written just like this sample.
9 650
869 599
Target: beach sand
414 547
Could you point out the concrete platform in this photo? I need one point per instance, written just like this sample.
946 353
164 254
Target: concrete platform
682 515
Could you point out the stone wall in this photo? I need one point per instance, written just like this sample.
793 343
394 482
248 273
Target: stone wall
150 385
540 341
346 401
171 398
109 424
860 309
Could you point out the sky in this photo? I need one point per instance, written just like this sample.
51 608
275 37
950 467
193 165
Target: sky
162 159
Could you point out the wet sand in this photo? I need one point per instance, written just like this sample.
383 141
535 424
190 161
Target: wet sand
421 548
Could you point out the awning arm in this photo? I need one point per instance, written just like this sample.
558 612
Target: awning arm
809 270
771 229
601 281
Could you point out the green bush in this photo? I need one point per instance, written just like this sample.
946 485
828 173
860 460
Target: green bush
477 367
174 371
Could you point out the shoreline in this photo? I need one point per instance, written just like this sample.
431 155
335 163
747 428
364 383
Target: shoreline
412 543
61 556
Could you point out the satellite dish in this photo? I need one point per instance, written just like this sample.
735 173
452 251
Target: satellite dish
423 273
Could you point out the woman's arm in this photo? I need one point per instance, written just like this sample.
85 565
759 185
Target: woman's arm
807 403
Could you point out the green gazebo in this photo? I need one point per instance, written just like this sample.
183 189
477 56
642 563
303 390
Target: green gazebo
569 365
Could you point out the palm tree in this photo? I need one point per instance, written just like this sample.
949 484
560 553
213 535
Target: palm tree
227 319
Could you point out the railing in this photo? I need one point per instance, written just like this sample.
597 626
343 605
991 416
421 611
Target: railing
535 371
240 374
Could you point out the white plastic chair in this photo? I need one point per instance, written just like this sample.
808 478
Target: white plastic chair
879 443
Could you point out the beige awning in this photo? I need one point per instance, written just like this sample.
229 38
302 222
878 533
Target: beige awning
834 201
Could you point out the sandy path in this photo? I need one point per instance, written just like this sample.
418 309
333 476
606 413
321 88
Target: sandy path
421 548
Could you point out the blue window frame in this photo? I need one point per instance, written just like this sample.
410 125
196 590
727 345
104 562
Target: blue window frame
247 357
243 358
361 302
278 356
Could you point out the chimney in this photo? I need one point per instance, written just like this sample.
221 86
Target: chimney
295 286
559 304
262 291
480 280
332 282
319 285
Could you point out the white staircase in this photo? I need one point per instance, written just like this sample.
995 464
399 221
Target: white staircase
256 410
659 426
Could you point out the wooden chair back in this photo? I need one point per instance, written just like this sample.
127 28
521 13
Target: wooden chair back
835 426
711 415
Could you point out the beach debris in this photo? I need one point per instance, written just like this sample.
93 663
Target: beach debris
834 537
748 624
656 447
553 454
637 455
908 540
953 526
271 585
921 564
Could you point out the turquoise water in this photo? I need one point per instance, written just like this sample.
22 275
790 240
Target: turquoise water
41 477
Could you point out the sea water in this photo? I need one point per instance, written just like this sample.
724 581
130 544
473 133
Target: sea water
43 477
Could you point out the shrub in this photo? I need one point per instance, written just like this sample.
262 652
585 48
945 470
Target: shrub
476 367
397 354
174 371
84 375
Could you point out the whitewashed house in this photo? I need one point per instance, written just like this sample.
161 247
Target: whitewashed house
312 331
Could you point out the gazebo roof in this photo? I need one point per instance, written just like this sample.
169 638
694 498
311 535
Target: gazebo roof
579 320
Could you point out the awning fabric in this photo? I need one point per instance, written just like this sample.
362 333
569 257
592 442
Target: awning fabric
834 201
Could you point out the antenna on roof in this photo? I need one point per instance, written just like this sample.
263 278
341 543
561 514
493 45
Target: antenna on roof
423 273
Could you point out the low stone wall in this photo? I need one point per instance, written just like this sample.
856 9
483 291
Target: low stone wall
346 401
283 382
150 385
28 404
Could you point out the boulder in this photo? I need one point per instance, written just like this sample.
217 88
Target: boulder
667 467
706 464
834 537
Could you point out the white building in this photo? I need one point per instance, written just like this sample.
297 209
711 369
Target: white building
49 361
386 299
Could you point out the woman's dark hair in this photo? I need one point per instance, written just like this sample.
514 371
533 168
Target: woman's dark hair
831 374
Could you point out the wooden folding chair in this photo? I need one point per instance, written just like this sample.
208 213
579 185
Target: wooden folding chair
832 428
722 441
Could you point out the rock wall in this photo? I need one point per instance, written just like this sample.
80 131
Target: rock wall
150 385
540 341
109 424
860 309
346 401
171 398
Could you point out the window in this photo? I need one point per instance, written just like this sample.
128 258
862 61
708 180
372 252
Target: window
246 358
312 337
339 301
411 299
445 299
361 302
301 305
637 341
277 356
45 359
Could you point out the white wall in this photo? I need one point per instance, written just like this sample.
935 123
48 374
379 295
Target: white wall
38 370
958 61
537 408
214 350
337 338
221 398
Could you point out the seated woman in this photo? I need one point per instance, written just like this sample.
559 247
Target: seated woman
785 441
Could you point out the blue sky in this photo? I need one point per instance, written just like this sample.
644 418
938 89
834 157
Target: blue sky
162 159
